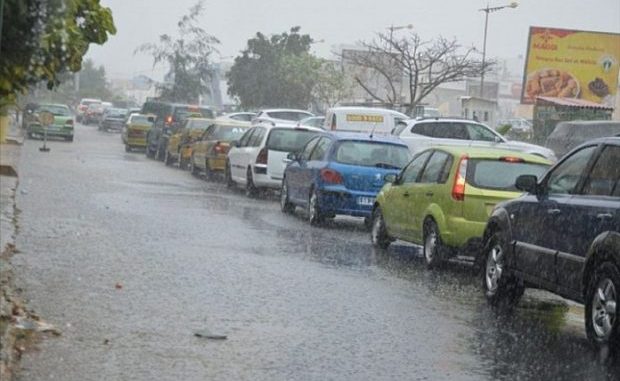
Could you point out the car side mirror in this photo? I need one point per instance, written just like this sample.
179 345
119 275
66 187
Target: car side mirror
527 183
390 178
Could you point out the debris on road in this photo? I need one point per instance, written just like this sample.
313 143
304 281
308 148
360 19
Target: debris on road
205 333
28 324
118 286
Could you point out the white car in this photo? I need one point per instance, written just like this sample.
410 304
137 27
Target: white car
423 133
258 159
281 115
238 116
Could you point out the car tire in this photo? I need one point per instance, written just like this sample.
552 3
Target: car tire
160 153
192 166
286 206
167 158
433 249
250 189
230 183
69 138
501 289
182 163
378 231
127 148
315 217
208 171
603 306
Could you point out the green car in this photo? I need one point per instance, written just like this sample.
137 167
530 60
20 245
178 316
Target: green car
62 126
444 196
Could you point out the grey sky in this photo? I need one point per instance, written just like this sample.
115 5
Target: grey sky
342 22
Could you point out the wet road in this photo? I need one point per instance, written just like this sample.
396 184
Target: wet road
296 302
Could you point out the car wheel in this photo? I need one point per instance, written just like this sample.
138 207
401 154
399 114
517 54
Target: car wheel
167 158
433 247
285 205
602 301
192 166
250 188
160 154
378 232
182 163
127 148
501 288
228 176
69 138
314 212
208 171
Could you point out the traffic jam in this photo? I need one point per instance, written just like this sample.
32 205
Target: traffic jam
455 187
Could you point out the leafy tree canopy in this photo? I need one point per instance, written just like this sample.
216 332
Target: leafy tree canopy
43 38
276 71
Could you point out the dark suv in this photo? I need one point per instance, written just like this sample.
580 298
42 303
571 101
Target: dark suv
563 236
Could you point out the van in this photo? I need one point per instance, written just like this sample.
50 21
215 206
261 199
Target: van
363 119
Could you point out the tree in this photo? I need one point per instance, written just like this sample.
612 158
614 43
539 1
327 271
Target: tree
188 57
332 85
93 81
278 71
418 67
41 39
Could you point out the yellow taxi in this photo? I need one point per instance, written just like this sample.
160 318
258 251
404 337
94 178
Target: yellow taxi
209 152
179 143
135 130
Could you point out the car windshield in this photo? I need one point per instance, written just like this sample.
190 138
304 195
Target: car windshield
372 154
289 115
57 110
289 139
500 174
228 133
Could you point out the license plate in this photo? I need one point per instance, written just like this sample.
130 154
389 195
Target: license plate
365 200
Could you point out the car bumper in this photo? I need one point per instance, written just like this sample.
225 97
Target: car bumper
340 200
460 231
136 142
51 131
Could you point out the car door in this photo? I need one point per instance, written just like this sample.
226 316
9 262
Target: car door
199 149
589 213
295 169
397 206
237 154
538 222
427 191
315 163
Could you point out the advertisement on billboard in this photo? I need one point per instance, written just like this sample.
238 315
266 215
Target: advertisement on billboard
571 64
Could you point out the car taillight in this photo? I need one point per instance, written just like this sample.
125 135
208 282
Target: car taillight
169 119
458 189
330 176
262 156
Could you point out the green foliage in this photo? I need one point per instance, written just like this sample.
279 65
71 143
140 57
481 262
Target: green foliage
275 72
43 38
503 129
332 85
188 57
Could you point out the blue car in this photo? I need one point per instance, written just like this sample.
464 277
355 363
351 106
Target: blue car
340 173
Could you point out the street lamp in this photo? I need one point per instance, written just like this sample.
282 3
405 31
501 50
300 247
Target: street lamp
392 28
488 10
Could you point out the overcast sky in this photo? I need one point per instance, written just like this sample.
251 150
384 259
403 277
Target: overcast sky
342 22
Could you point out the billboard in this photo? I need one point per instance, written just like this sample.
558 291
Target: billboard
571 64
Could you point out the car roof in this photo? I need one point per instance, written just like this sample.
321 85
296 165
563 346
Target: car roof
364 136
476 152
377 110
285 110
436 119
613 140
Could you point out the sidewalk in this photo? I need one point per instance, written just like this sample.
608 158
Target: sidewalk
9 305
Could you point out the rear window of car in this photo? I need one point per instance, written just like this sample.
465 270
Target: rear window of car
183 112
372 154
228 133
198 124
56 110
289 139
117 113
289 115
500 174
140 119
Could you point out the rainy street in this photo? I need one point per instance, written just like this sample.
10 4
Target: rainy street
129 258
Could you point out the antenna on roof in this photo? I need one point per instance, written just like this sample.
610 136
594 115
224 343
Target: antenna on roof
372 132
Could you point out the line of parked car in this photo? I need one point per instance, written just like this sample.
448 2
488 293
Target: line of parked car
451 185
